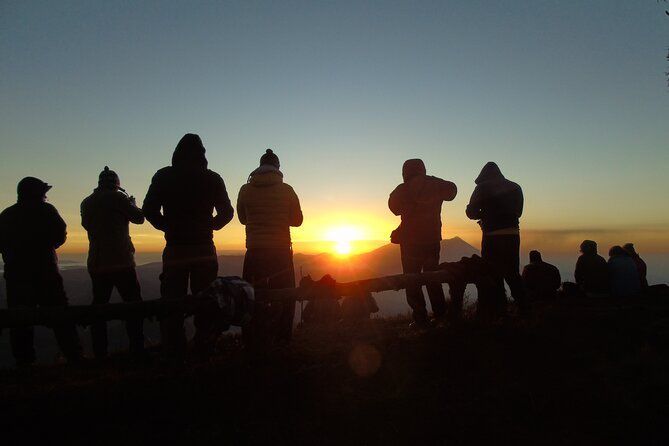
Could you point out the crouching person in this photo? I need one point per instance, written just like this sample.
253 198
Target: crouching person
268 207
106 215
30 232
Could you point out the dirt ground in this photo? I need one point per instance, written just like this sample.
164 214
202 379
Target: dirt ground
588 372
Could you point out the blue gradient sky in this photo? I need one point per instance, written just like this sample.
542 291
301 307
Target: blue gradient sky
569 98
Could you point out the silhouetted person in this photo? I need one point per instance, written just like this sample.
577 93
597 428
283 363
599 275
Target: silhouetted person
418 201
188 193
623 274
106 214
542 280
497 204
641 267
30 232
268 207
591 274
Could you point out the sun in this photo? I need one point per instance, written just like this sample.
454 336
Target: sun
343 247
341 238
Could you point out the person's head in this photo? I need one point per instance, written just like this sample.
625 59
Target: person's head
629 247
535 257
617 251
489 172
588 247
32 189
269 158
189 152
413 168
108 179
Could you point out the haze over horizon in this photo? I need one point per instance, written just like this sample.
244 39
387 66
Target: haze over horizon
569 98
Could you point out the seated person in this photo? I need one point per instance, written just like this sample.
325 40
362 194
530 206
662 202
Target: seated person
592 274
623 274
641 267
541 279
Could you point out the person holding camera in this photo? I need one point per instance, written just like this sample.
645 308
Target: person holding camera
106 215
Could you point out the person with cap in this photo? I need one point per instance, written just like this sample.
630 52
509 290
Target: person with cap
30 232
418 200
106 215
180 202
268 207
541 279
623 273
641 267
497 204
591 272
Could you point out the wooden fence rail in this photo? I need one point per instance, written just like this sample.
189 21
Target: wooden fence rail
87 314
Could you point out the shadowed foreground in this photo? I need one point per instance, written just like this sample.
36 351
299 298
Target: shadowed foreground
571 373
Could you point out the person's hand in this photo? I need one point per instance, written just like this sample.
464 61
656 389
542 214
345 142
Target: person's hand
132 200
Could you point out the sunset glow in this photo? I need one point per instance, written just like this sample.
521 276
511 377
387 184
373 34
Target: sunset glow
342 238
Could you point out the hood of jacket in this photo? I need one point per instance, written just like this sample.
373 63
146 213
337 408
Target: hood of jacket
413 168
265 175
489 172
189 152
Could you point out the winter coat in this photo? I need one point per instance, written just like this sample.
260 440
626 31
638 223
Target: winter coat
623 276
592 274
541 280
268 207
188 193
496 202
418 201
30 233
106 214
642 269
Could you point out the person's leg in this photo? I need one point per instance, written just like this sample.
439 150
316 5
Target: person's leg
511 261
256 334
53 295
173 284
435 291
456 291
284 277
203 271
128 287
102 289
412 262
20 294
494 296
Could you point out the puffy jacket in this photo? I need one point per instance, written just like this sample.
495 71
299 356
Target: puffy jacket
268 207
106 214
30 233
188 193
418 201
496 202
592 273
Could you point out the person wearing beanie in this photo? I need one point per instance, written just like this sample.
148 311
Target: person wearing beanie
497 204
106 215
541 279
591 272
268 208
418 202
180 202
30 232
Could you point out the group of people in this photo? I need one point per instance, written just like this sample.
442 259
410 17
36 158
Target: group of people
188 202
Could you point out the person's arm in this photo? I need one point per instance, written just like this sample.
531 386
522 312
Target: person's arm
474 210
57 228
130 210
85 222
397 200
448 190
557 279
520 202
153 202
241 206
295 217
224 210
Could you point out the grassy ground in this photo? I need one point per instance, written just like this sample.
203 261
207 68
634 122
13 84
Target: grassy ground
571 373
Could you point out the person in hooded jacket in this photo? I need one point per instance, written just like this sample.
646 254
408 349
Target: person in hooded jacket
497 204
623 273
591 273
268 207
640 264
418 201
541 279
106 214
187 192
30 232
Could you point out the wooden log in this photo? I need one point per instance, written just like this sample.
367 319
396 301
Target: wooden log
87 314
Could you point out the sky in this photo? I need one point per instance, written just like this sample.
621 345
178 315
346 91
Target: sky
570 98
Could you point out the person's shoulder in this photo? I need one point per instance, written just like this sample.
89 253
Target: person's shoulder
163 172
288 188
213 176
49 208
